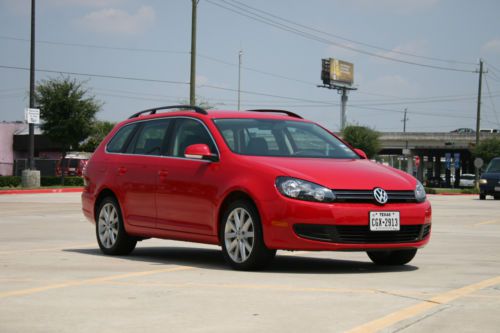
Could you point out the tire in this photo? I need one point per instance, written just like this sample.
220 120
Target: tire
496 196
482 196
242 238
393 258
110 232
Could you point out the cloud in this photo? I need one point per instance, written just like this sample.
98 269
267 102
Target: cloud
117 21
85 3
394 85
416 47
491 47
403 6
201 80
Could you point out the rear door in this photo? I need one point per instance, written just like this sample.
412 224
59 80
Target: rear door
138 172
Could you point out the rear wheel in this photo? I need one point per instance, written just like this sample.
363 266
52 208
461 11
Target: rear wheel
110 232
395 258
482 196
242 238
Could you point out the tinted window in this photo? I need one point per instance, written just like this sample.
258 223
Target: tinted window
270 137
149 139
494 166
117 143
189 132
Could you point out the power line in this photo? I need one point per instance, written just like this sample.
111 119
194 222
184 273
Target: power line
347 39
203 56
96 46
97 75
267 21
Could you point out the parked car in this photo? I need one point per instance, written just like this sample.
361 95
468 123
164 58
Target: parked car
252 183
467 180
71 166
463 130
489 184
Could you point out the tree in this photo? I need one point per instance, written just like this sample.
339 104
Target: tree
99 131
363 138
67 112
487 149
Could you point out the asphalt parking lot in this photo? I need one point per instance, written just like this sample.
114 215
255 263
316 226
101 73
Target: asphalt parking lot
54 279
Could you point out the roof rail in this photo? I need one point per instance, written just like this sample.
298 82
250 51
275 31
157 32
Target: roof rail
289 113
180 107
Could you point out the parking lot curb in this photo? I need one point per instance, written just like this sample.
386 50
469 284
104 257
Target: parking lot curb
43 190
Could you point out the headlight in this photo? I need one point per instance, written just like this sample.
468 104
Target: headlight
303 190
420 192
483 181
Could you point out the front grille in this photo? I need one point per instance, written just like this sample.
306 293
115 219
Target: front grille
360 196
348 234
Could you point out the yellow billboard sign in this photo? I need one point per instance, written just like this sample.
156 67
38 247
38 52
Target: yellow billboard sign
341 71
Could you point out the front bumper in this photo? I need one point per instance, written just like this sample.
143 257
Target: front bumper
342 226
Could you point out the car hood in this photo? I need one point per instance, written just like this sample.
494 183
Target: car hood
342 174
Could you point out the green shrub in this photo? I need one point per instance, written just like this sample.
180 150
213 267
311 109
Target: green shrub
56 180
10 181
429 190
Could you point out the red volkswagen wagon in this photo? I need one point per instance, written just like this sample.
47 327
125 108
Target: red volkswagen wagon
252 182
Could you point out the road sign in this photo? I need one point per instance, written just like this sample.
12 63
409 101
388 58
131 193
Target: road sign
447 158
32 116
478 162
456 158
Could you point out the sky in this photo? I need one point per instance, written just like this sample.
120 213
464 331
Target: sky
419 55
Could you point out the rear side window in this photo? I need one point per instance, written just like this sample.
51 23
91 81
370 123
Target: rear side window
117 143
150 138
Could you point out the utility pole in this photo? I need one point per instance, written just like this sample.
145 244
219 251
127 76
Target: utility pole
31 149
240 55
192 82
404 121
478 115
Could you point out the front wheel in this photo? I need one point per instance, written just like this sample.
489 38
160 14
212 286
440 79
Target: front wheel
110 232
394 258
482 196
242 238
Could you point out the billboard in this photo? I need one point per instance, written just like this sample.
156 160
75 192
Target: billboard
337 71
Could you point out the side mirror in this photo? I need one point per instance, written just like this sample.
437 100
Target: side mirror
360 153
200 151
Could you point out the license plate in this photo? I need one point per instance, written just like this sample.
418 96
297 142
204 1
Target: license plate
384 221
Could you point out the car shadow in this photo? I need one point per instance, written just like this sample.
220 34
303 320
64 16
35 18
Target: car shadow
213 259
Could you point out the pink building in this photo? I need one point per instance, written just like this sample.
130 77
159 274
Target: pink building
7 155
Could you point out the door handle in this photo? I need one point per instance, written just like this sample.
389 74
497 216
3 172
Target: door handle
122 171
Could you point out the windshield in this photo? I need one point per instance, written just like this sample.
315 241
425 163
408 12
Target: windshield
494 166
271 137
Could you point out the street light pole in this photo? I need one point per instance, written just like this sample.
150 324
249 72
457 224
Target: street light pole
239 78
30 177
478 115
192 83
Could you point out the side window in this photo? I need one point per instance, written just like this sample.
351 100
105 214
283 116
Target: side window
149 140
189 132
117 143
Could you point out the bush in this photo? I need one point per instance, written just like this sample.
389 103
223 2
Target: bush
430 190
56 180
10 181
